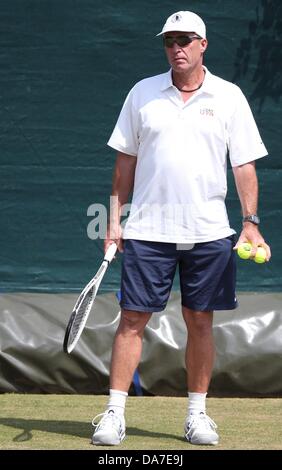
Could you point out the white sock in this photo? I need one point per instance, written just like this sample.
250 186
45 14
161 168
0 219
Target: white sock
197 403
117 401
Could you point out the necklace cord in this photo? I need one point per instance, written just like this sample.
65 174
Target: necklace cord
195 89
190 91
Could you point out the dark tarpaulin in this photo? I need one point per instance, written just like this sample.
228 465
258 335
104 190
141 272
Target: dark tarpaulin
248 343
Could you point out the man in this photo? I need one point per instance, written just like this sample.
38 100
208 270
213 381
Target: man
173 136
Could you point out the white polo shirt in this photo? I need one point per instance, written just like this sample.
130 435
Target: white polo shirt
180 179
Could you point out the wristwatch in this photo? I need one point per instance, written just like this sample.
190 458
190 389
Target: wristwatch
254 219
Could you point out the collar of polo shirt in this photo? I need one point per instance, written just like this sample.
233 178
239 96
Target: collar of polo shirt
207 87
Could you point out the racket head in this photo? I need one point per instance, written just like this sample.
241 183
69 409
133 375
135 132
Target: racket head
68 331
82 309
84 303
78 318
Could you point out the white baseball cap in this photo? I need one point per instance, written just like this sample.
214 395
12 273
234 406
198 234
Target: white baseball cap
185 21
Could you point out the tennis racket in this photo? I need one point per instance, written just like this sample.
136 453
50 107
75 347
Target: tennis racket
84 303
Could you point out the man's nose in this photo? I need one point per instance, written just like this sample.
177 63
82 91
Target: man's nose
176 47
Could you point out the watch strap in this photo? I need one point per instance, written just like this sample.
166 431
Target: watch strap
253 218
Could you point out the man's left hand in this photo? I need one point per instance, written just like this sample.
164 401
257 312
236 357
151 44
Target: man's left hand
251 234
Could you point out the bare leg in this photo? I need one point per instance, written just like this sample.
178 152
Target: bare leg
200 349
127 348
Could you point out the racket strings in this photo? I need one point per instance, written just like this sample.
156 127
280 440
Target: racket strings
81 313
84 304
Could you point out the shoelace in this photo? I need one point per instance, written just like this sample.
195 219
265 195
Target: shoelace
203 420
105 418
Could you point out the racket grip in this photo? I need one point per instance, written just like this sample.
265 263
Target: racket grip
110 253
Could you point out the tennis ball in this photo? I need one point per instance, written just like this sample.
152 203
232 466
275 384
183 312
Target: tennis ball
260 255
244 250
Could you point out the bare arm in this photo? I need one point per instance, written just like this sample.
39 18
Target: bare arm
123 181
247 188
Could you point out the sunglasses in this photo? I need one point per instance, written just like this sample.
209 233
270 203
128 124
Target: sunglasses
181 41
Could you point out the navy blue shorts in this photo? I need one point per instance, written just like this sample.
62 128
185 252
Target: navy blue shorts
207 275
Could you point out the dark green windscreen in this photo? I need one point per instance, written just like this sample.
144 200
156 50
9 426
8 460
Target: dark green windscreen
65 69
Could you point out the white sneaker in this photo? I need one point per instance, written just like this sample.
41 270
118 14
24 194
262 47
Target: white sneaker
200 429
110 430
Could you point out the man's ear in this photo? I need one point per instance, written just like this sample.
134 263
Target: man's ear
204 45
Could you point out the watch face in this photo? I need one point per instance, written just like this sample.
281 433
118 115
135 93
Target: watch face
255 219
252 218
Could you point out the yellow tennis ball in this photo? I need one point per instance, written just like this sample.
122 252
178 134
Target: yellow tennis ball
260 255
244 250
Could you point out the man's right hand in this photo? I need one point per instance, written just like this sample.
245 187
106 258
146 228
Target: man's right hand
114 235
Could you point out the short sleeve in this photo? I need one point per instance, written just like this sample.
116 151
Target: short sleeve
124 137
244 140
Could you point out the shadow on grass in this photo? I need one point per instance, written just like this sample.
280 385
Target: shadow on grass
72 428
142 433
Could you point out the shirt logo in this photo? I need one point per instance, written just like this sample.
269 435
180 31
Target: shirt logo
207 112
